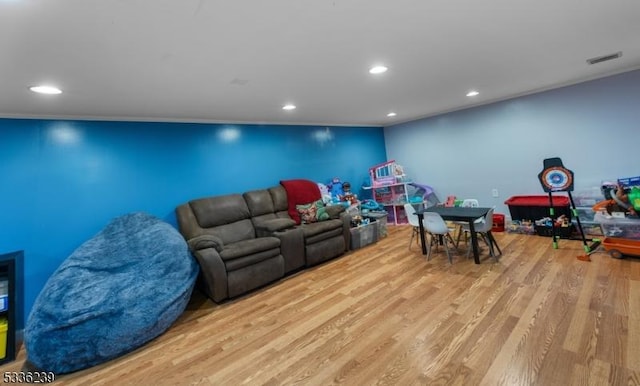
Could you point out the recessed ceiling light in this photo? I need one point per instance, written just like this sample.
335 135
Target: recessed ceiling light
392 114
378 70
289 107
472 93
46 90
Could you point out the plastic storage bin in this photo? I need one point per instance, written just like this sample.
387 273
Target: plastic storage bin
381 219
364 235
498 223
587 197
517 226
590 228
536 207
562 232
626 228
585 214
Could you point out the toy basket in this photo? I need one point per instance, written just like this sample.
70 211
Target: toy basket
535 207
628 228
562 232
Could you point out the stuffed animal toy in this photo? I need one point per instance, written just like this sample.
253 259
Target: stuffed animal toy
324 193
347 195
335 187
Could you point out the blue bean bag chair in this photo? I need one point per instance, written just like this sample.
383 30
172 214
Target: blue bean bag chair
117 291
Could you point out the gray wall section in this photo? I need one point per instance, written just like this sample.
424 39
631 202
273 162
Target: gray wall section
593 126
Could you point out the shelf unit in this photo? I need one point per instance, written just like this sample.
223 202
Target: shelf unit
11 268
390 188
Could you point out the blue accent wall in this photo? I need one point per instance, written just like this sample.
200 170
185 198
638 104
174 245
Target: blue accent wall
62 181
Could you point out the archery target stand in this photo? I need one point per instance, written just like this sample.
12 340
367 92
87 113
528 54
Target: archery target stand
556 178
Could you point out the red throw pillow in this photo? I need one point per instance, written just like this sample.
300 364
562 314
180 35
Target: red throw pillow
300 192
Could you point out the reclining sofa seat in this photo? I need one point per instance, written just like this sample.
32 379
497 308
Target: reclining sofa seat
303 244
221 235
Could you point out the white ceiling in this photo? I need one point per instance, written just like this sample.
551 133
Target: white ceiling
241 61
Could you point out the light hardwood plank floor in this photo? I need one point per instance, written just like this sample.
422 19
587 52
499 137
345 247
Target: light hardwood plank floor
385 315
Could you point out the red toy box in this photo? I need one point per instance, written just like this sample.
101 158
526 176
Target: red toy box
537 207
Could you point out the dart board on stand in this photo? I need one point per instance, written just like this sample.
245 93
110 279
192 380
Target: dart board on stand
555 177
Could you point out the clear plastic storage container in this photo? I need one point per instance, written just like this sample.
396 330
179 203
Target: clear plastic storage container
627 228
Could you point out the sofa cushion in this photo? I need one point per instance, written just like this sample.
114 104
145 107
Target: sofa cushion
259 202
234 232
308 213
220 210
323 236
248 247
300 192
280 201
275 224
317 228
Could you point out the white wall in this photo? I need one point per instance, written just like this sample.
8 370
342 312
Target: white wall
593 126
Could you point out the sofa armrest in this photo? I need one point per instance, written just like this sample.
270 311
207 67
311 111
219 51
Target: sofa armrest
206 241
346 229
213 274
292 248
269 227
335 211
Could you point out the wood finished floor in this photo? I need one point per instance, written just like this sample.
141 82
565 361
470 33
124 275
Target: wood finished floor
385 315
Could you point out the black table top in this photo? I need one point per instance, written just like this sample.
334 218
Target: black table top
454 213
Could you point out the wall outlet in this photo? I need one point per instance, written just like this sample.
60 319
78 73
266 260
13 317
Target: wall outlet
494 192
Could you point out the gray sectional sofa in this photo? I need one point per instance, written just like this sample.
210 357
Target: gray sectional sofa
245 241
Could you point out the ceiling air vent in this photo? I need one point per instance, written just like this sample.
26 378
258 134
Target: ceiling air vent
604 58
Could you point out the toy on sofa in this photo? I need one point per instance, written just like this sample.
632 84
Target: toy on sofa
347 194
324 193
336 189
